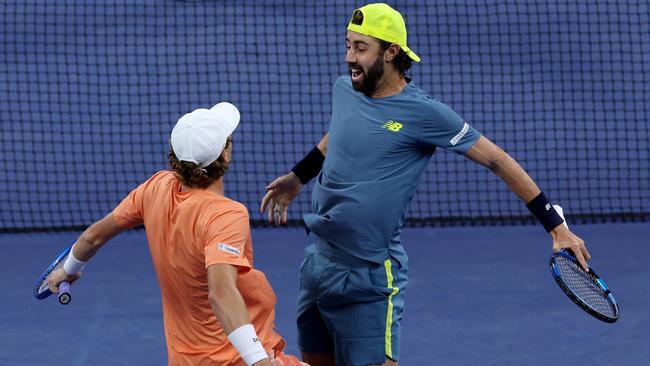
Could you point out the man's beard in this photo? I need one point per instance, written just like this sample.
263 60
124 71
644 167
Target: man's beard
368 83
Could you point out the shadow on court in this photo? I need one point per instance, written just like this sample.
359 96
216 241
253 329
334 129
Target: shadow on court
478 296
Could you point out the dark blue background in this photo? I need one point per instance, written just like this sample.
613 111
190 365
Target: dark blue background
89 92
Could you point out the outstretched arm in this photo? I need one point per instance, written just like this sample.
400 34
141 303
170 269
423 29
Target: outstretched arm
486 153
87 245
284 189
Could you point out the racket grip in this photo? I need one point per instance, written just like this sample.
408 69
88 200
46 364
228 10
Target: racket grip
64 293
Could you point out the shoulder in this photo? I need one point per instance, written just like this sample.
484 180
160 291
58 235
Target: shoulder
430 108
217 214
343 82
163 175
159 179
235 207
438 108
422 99
218 206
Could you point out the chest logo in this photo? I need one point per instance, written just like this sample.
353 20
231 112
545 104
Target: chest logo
393 125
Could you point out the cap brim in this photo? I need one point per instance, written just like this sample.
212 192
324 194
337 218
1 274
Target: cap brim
411 54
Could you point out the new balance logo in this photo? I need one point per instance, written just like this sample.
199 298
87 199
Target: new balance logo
393 126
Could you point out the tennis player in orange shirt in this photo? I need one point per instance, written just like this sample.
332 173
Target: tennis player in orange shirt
217 309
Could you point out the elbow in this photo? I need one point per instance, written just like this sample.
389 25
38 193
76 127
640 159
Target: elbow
495 165
214 301
500 162
220 295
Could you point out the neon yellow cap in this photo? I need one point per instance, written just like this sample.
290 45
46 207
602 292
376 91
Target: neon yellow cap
385 23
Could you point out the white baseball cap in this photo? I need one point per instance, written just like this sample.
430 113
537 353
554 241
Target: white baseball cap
200 136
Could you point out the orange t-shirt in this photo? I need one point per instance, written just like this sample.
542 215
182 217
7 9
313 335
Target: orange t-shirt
187 232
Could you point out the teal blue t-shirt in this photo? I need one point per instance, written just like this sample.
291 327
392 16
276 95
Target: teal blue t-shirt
376 153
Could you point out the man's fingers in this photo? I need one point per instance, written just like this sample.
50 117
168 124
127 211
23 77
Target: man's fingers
52 288
274 184
271 211
581 259
278 213
585 252
266 200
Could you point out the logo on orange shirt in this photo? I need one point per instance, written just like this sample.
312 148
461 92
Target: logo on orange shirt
227 248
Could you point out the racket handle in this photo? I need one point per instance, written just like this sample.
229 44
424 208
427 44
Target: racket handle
64 293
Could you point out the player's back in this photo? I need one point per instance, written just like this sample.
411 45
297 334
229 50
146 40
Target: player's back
187 231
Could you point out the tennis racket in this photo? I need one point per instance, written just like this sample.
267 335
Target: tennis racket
42 291
585 289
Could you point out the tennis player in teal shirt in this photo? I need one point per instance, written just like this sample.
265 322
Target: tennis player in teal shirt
383 131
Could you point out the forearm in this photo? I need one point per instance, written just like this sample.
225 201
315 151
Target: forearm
490 155
230 308
515 177
94 237
500 163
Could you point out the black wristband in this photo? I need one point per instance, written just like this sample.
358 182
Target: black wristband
309 166
544 211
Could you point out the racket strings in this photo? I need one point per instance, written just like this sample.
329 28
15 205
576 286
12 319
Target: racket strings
584 286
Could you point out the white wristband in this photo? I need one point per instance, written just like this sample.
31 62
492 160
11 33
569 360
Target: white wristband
72 265
245 341
560 212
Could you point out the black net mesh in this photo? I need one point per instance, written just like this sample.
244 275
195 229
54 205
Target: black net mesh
89 92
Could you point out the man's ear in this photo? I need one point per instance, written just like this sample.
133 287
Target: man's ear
391 52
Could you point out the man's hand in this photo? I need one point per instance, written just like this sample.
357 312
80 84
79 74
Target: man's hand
264 362
284 360
57 276
563 238
279 195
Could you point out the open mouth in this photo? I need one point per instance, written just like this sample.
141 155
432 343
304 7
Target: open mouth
356 74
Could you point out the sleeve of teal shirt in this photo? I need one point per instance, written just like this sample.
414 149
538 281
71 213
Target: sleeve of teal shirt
443 127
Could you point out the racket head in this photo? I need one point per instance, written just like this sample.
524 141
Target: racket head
41 291
585 289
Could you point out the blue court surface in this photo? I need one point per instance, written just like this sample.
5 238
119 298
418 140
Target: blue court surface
478 296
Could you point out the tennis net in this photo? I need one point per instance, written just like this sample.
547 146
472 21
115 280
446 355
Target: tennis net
89 92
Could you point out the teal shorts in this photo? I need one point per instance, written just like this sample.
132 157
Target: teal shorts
349 306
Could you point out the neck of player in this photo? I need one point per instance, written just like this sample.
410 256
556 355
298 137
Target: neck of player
216 187
391 84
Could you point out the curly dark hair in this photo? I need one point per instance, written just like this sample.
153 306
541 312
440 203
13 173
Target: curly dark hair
192 175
